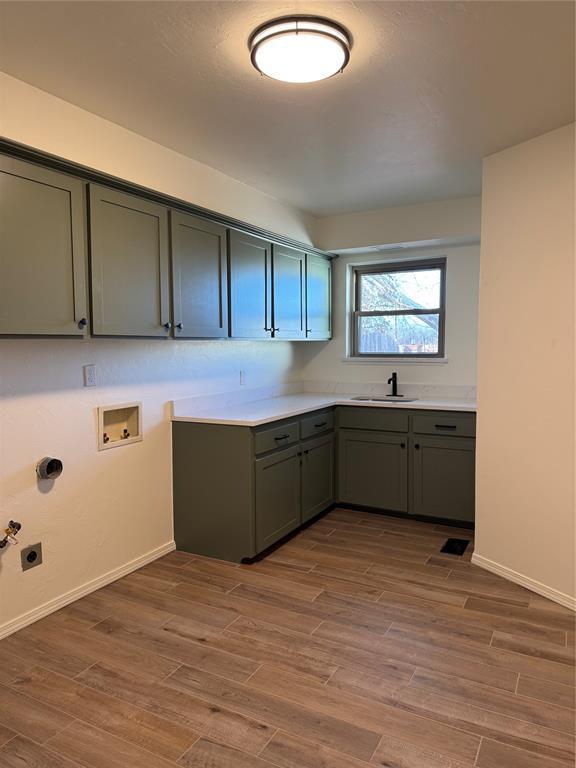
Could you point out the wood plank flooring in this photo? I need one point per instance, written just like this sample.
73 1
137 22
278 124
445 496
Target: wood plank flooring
356 644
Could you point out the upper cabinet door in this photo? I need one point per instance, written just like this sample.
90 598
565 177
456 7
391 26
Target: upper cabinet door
318 298
129 265
250 287
288 291
199 277
42 252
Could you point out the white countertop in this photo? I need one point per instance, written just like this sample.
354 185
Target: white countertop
256 412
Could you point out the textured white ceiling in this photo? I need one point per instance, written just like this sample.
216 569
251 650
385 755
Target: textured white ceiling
432 87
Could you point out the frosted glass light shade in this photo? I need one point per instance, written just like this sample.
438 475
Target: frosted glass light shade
300 50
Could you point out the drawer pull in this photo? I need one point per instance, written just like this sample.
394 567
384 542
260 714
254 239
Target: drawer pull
445 426
282 437
322 424
402 445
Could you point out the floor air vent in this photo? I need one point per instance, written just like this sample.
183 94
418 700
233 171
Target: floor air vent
455 546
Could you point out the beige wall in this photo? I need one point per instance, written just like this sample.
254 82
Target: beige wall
525 466
110 508
327 361
449 221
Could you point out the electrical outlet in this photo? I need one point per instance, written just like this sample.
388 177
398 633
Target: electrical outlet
89 375
31 556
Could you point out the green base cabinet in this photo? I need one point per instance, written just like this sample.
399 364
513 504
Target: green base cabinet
416 462
317 476
373 469
443 477
238 490
277 496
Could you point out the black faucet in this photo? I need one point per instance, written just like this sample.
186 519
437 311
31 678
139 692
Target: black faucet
394 381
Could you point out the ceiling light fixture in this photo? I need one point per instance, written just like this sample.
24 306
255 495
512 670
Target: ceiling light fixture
300 49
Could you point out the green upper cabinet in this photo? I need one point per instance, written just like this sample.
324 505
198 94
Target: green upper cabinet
250 287
129 265
199 277
288 290
318 297
42 252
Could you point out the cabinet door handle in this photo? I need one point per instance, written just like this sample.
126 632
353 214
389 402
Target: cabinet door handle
179 326
402 445
417 447
308 330
282 437
323 424
167 326
445 426
82 323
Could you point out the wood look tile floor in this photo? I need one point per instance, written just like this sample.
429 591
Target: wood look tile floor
356 644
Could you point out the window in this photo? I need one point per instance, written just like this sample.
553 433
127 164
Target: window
399 309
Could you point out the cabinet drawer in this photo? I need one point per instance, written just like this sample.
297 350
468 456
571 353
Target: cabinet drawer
270 438
372 418
322 421
444 423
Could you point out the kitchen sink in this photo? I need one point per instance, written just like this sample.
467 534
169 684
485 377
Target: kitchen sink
390 399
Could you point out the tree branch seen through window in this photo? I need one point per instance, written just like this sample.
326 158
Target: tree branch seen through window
399 309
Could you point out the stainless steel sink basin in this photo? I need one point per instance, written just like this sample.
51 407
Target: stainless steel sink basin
365 399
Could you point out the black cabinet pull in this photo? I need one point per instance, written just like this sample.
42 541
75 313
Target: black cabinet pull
82 323
167 326
308 330
179 326
323 424
417 447
306 452
445 426
402 445
282 437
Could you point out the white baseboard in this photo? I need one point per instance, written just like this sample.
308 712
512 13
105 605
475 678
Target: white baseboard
85 589
525 581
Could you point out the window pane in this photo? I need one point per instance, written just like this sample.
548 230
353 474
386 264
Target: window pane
385 291
398 335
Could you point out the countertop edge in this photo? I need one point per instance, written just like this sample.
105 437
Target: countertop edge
417 406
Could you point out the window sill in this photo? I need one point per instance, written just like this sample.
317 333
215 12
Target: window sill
396 360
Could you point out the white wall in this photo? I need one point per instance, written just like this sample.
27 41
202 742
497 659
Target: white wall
325 362
449 221
113 507
40 120
525 465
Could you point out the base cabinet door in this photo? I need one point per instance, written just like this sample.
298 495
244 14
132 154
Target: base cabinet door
443 477
42 252
199 277
317 476
129 265
373 469
277 496
318 298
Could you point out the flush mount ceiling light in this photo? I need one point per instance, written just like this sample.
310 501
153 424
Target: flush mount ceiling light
300 49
